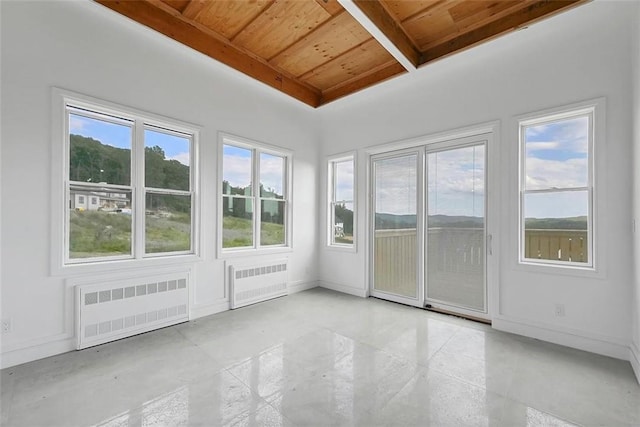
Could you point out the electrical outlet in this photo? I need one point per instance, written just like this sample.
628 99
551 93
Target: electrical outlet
559 310
6 326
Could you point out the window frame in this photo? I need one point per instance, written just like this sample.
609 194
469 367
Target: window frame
594 110
64 103
331 201
256 149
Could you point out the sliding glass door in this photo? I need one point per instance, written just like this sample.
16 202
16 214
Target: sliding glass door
428 226
397 230
455 272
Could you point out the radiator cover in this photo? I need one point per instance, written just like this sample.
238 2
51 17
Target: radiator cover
256 282
114 309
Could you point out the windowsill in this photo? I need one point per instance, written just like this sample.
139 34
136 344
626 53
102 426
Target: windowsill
340 248
561 269
117 265
249 252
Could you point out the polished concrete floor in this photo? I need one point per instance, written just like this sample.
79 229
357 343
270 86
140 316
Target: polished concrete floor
323 358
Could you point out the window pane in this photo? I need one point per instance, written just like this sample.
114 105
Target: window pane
395 238
556 226
455 227
237 222
167 223
271 176
272 230
99 151
166 160
396 188
102 229
557 154
343 223
343 180
455 183
236 170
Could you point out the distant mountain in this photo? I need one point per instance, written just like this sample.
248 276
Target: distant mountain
391 221
455 221
573 223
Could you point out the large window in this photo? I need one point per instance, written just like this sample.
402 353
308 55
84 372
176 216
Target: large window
341 202
556 188
128 183
255 198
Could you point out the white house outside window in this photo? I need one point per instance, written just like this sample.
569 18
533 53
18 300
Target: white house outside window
129 185
556 188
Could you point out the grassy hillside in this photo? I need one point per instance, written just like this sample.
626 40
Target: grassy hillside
96 233
238 233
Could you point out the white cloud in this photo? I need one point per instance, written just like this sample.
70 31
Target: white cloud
272 173
396 186
545 174
569 135
76 124
237 170
542 145
344 182
183 158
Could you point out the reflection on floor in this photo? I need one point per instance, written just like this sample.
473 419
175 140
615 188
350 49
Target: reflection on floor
323 358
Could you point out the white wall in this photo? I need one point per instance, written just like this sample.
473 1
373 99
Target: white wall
86 48
579 55
635 332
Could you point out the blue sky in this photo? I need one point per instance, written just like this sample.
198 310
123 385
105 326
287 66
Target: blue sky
120 136
237 168
557 157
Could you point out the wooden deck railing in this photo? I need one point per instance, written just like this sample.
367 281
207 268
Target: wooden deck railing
461 250
559 245
395 261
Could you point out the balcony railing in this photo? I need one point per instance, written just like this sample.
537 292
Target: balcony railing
557 245
457 255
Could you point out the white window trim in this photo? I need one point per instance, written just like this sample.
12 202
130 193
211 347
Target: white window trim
60 98
597 173
331 161
257 147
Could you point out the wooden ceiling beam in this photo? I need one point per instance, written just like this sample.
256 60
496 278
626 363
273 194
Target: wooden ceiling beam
362 81
381 18
409 60
522 17
177 27
331 6
194 8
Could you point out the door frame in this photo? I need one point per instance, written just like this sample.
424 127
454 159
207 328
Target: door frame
489 131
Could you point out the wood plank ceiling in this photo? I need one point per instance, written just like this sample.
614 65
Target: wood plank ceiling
317 51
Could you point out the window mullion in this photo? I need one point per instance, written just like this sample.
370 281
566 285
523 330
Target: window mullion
255 179
138 190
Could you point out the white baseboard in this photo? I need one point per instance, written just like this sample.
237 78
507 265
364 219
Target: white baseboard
363 293
606 346
634 358
40 351
203 310
300 285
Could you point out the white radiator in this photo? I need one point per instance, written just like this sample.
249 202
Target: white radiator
257 282
110 310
